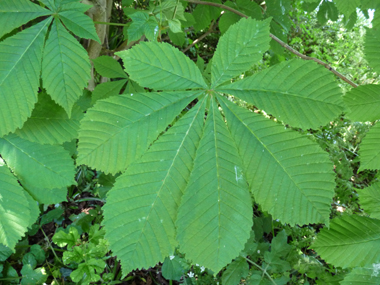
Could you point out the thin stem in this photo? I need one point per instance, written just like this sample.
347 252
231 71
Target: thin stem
259 267
284 45
51 247
210 30
110 24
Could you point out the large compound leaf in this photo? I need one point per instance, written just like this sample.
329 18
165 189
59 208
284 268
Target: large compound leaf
300 93
370 200
363 276
73 17
238 49
66 67
36 165
20 67
215 214
289 175
118 130
370 149
14 207
161 66
49 123
141 209
14 13
108 67
347 7
372 44
351 241
364 103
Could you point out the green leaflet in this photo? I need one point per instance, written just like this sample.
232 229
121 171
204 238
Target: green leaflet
107 66
235 271
49 123
14 207
370 200
279 10
142 24
14 13
215 214
364 103
20 63
327 11
369 151
141 209
300 93
118 130
238 49
107 89
73 17
372 43
363 276
347 7
65 67
345 245
166 68
289 175
36 165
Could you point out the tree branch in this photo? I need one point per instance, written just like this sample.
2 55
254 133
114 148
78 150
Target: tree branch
284 45
210 30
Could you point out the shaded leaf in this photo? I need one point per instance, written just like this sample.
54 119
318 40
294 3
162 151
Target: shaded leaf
14 207
108 67
370 200
369 151
364 103
36 165
372 44
14 13
363 276
20 63
107 89
65 67
345 245
49 123
235 271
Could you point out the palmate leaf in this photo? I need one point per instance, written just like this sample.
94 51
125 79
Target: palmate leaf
370 200
215 214
241 46
14 207
351 241
107 138
369 151
73 17
161 66
364 103
363 276
289 175
49 123
141 209
300 93
36 165
65 67
372 43
20 66
14 13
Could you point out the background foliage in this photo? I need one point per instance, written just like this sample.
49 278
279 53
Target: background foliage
185 142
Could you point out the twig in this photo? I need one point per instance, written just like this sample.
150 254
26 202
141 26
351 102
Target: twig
259 267
286 46
210 30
